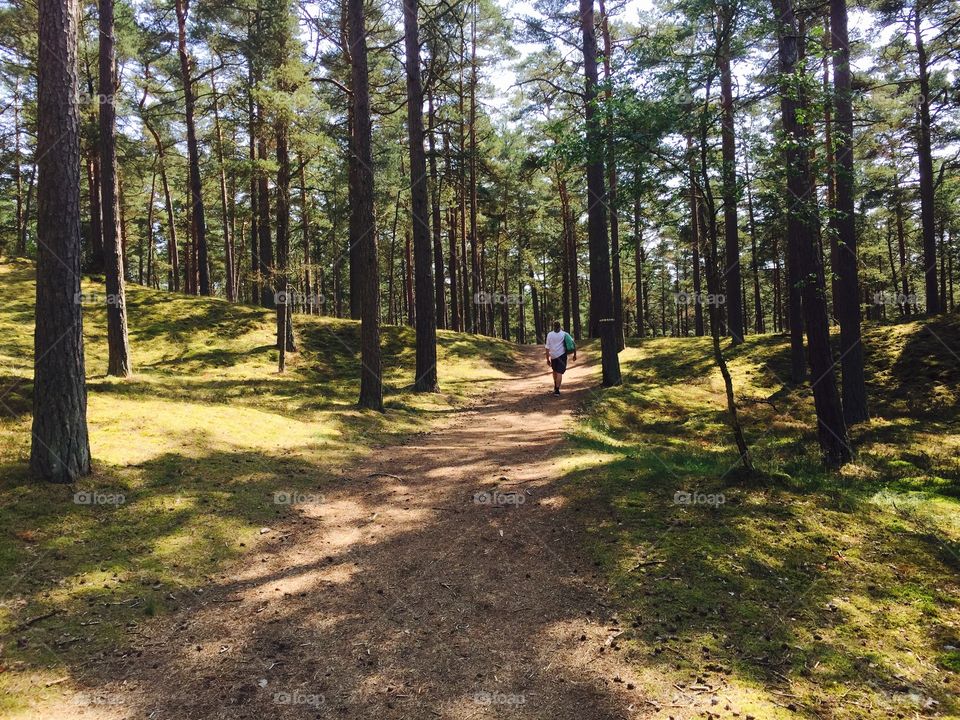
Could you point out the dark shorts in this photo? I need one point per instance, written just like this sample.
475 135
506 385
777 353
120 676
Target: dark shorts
559 364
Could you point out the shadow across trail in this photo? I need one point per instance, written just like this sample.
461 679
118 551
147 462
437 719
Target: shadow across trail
440 578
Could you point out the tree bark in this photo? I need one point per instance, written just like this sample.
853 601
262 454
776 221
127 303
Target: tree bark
733 283
612 182
600 284
60 448
118 344
847 285
425 379
362 216
925 162
438 280
202 270
231 289
803 229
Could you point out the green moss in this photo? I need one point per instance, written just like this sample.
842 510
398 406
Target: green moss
829 592
197 443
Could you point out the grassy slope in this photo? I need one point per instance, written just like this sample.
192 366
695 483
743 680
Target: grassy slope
804 594
198 442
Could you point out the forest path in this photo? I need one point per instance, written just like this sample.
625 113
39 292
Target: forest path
401 594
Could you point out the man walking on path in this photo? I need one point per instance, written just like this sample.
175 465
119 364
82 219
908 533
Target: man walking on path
557 346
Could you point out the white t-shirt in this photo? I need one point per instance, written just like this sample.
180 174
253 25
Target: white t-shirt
555 345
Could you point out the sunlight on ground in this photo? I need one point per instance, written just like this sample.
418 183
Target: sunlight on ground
799 593
192 456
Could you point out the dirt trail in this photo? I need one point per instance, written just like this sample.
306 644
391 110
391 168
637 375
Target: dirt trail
402 594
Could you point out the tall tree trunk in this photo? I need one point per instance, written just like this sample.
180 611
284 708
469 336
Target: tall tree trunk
638 262
17 169
96 263
284 309
758 318
803 229
439 285
118 344
225 215
479 309
831 179
925 162
151 243
425 379
600 286
905 301
612 181
312 304
362 216
571 225
847 288
193 151
256 281
265 241
731 274
564 217
696 238
409 303
60 448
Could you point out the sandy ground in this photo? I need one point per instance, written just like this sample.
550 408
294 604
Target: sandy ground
443 578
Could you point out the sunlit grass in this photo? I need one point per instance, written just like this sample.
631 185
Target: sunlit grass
805 593
196 443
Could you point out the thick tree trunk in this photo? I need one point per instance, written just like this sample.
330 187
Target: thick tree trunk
600 285
803 229
118 344
612 182
60 449
193 152
925 162
847 285
425 379
362 216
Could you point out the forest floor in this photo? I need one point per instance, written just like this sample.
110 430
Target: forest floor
498 552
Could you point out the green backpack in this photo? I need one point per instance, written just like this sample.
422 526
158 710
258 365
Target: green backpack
568 343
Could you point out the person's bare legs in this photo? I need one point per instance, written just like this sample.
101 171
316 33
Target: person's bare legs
557 379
